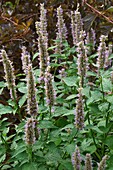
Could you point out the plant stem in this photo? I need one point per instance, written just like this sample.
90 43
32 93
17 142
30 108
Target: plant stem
50 111
30 153
16 104
101 84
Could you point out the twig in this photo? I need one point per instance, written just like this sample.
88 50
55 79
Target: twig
8 19
99 13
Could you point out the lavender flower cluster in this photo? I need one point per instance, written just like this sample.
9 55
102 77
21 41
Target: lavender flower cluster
76 26
62 30
61 34
31 129
49 90
32 106
25 57
102 164
9 74
101 52
76 161
41 29
79 113
82 62
88 162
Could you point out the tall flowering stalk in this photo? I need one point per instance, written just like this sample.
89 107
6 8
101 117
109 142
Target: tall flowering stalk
76 159
102 164
90 39
101 53
50 92
82 62
79 112
41 29
76 26
108 52
31 134
9 74
32 106
30 131
43 22
88 162
25 57
61 34
62 30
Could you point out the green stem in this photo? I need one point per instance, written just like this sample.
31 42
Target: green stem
50 111
30 153
101 84
16 104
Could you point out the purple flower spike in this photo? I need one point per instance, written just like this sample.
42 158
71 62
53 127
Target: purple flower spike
88 162
79 114
32 106
50 92
9 74
76 159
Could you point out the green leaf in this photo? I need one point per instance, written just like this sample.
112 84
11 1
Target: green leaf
95 96
37 72
58 141
60 111
110 9
1 90
69 126
110 162
67 165
2 158
91 149
103 107
86 143
68 113
22 100
35 55
86 91
53 155
46 124
107 85
5 109
93 56
2 84
22 89
29 166
95 128
5 167
19 150
109 142
42 167
72 96
56 55
90 73
52 47
61 122
70 148
70 81
111 56
109 99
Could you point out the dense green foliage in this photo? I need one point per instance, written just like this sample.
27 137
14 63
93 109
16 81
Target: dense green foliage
58 134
